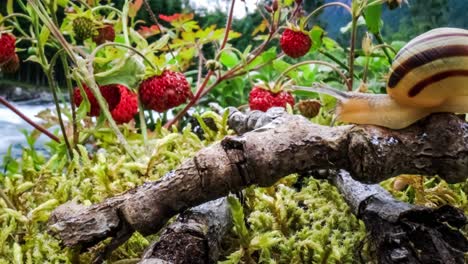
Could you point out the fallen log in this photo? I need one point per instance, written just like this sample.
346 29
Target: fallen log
289 144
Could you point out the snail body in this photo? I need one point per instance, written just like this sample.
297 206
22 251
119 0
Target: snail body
429 74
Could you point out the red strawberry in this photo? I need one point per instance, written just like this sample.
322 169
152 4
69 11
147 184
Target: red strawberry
262 99
122 102
295 43
11 66
78 98
7 47
105 33
165 91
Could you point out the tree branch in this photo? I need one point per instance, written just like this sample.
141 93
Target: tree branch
288 144
401 232
194 237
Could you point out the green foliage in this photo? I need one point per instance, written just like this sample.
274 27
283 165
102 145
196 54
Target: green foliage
311 224
34 185
295 221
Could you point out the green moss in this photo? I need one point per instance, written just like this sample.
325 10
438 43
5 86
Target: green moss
34 186
286 225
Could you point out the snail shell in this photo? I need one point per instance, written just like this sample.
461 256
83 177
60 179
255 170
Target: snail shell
431 69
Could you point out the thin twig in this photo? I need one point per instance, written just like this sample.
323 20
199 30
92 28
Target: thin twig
156 21
208 75
382 42
351 52
40 128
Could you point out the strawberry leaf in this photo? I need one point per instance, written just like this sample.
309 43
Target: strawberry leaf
373 15
128 71
134 7
229 59
316 34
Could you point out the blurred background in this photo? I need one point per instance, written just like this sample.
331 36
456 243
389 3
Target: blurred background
28 90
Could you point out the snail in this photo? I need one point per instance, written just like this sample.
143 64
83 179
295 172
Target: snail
428 75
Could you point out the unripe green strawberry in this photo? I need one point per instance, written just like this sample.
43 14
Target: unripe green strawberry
295 43
262 99
83 28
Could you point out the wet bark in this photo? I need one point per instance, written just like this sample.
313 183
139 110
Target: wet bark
194 237
401 232
287 144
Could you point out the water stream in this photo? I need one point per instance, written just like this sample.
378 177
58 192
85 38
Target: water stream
12 127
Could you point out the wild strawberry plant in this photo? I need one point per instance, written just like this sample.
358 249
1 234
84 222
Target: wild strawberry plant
131 84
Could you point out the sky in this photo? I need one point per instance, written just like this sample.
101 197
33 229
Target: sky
239 8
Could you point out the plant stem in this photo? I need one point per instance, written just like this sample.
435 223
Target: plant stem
366 69
52 84
208 75
382 42
124 18
66 70
40 128
97 8
333 67
382 46
98 48
351 52
141 114
156 21
336 60
53 87
324 6
16 23
228 24
91 82
191 103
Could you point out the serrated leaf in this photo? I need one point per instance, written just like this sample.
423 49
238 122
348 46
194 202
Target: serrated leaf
147 32
34 58
265 57
329 43
281 66
316 34
262 27
134 7
161 42
138 39
83 109
229 59
128 71
44 36
373 19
